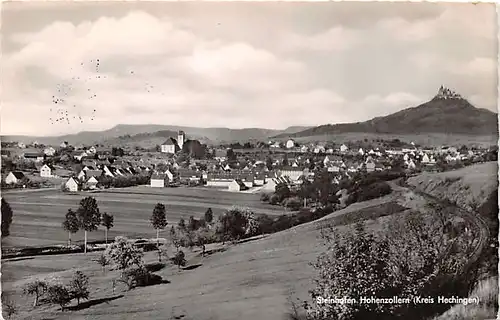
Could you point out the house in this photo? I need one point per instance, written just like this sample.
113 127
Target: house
304 149
35 156
93 173
170 175
293 173
14 177
237 185
361 151
91 183
72 184
370 166
410 164
319 149
172 145
79 156
344 148
158 180
21 145
425 159
47 171
326 161
64 144
290 144
49 151
189 175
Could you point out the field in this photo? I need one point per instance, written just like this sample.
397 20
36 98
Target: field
247 281
38 214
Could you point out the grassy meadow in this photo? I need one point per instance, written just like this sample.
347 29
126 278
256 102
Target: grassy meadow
38 214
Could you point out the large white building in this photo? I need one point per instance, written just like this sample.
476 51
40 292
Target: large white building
172 146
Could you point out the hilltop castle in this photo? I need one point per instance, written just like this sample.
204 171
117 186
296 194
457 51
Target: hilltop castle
445 93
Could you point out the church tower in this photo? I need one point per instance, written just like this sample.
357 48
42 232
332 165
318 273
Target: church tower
181 138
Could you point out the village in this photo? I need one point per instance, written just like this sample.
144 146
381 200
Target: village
235 167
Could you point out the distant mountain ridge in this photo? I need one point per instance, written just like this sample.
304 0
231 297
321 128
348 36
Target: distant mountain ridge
447 113
134 133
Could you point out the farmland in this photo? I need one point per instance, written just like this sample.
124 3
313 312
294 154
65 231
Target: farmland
38 214
247 281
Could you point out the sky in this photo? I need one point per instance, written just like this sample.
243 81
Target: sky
70 67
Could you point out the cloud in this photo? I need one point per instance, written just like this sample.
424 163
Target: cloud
178 66
334 39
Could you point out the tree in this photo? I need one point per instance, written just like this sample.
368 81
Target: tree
8 306
201 239
209 216
192 224
230 155
35 288
103 261
89 216
59 294
269 163
107 223
354 266
174 238
71 224
232 224
123 253
180 259
79 286
159 220
285 160
181 225
6 217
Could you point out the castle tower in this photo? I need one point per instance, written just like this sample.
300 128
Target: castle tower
181 138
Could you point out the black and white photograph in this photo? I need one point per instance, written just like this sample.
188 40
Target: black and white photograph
252 160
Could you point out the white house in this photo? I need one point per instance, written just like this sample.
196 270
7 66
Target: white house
47 171
158 180
21 145
290 144
169 146
170 175
410 164
49 151
14 177
304 149
326 161
319 149
92 183
71 185
425 159
236 185
361 151
343 148
370 166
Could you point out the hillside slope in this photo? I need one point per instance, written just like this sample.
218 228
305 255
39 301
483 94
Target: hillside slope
468 187
145 132
446 113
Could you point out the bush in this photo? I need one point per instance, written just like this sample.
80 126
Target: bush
370 191
293 203
59 294
264 197
179 259
139 276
